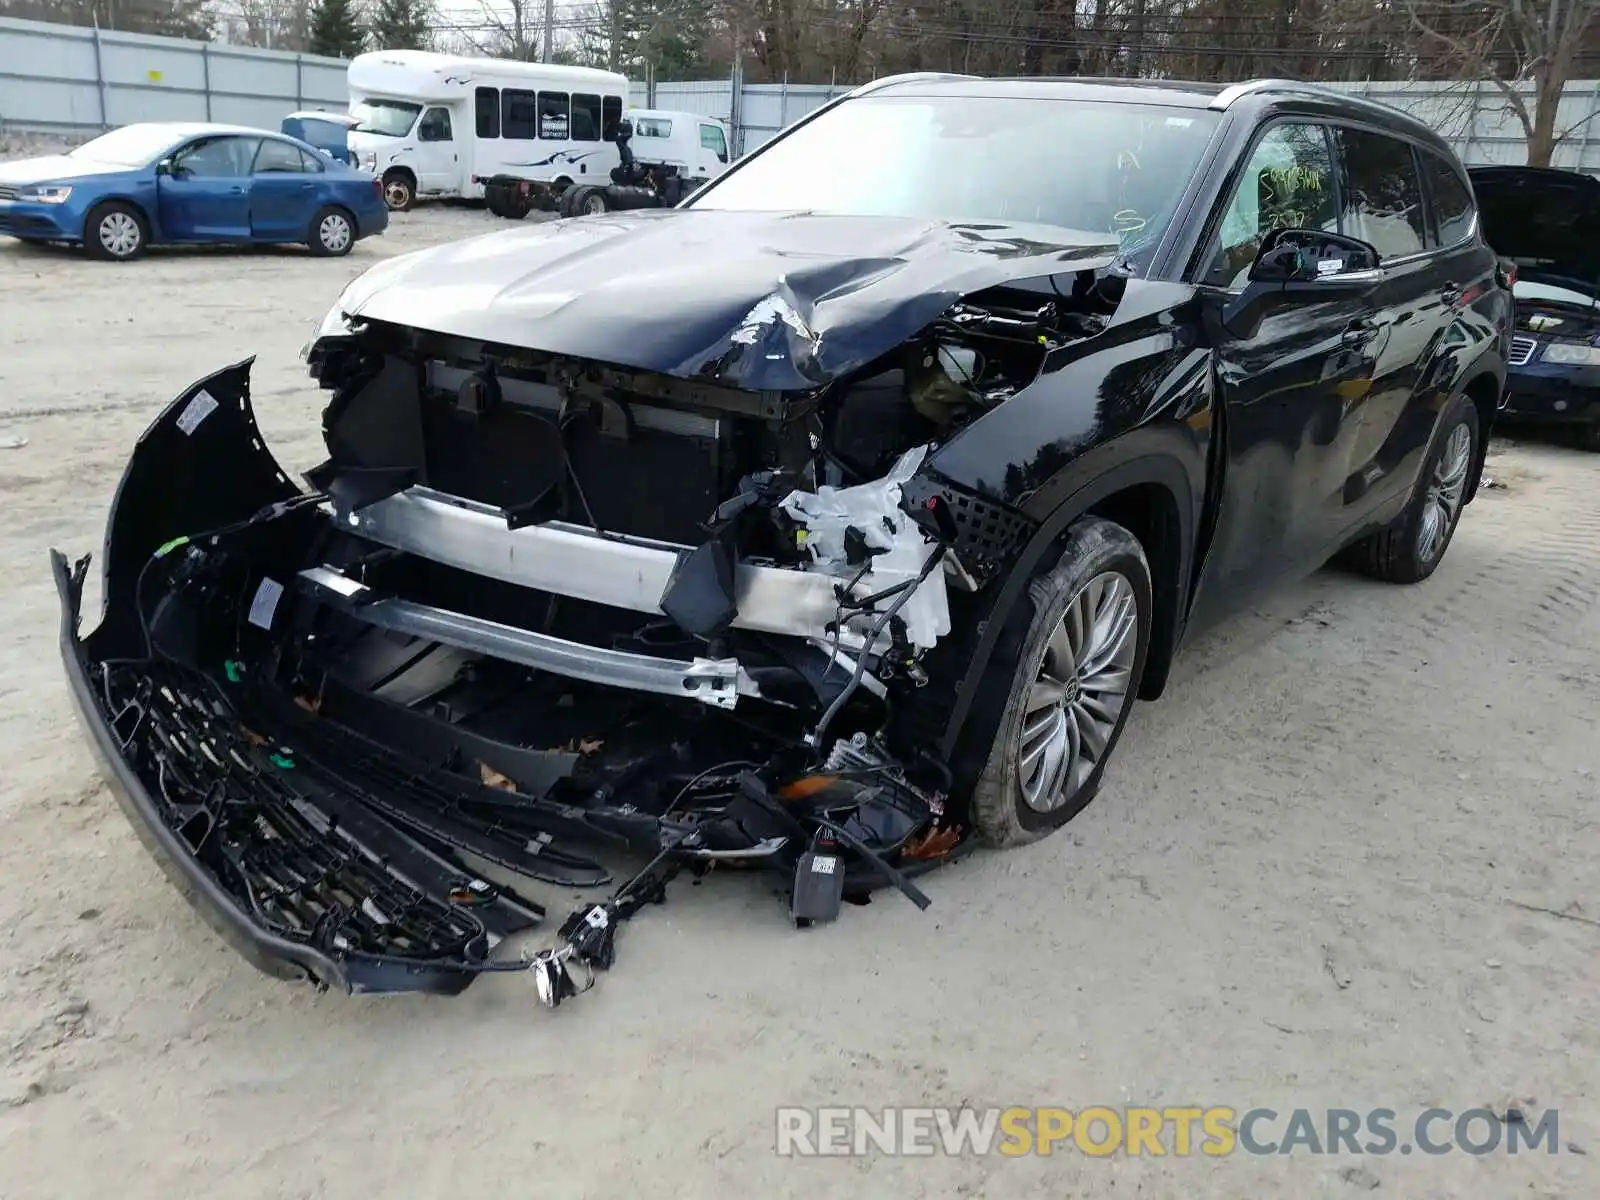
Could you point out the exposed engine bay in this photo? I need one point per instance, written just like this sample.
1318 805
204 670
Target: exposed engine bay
541 615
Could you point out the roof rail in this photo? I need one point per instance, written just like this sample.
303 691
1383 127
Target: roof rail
1229 95
908 77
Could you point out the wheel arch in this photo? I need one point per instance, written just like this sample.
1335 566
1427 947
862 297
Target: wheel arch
1484 388
151 228
1150 492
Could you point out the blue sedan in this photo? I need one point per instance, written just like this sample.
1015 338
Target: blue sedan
166 182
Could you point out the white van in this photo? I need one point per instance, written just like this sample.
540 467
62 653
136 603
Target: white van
432 125
696 145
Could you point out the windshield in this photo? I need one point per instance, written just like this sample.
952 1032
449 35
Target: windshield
1095 167
391 118
130 146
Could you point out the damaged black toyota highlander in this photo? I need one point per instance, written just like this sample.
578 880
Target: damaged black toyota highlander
824 526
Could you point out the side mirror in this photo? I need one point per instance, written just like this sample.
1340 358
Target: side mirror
1312 258
164 167
1303 263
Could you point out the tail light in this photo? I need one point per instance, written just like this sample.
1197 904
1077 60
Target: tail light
377 188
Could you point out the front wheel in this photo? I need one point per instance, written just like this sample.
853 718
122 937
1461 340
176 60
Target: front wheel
399 193
332 233
1072 687
1412 546
115 231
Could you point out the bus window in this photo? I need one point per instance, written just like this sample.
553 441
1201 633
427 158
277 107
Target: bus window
555 120
487 107
611 109
585 118
517 113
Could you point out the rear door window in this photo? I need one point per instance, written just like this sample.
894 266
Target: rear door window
277 157
1382 194
1453 209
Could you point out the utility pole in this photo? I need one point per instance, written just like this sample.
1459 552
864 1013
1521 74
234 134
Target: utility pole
549 28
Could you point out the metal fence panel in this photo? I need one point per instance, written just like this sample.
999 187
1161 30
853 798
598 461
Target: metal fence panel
76 82
72 81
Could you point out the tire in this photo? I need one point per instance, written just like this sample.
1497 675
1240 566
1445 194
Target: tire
592 203
494 200
1410 548
399 191
1102 569
332 233
115 231
516 207
573 197
1587 437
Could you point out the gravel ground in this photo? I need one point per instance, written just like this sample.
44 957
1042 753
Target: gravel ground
1303 886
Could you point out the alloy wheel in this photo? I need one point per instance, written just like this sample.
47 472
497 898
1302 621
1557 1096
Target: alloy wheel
593 205
120 234
1443 500
1079 692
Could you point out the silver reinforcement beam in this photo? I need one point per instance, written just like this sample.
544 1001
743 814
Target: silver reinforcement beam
570 560
717 682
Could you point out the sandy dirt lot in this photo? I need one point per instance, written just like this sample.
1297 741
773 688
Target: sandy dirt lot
1312 880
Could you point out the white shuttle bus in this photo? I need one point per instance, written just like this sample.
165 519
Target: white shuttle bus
433 125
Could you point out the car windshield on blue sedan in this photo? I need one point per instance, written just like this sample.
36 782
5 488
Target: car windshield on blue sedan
1114 168
130 146
391 118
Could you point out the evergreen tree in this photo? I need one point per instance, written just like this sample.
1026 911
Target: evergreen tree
336 29
401 25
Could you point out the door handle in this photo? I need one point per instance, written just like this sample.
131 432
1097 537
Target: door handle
237 191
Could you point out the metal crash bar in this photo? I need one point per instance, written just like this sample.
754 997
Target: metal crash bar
610 569
717 682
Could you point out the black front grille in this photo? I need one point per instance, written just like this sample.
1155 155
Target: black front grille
230 797
7 193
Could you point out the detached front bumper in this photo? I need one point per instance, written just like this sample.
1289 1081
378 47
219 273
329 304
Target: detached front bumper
327 830
273 955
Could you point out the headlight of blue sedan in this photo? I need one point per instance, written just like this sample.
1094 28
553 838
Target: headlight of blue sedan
1572 354
44 193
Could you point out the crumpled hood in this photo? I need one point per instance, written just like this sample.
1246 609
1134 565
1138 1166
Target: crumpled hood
765 301
55 168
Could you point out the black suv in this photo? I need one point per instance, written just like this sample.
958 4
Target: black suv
818 524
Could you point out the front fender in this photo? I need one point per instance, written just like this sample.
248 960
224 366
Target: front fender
1164 456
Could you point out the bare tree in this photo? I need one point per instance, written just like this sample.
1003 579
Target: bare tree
511 29
1526 48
